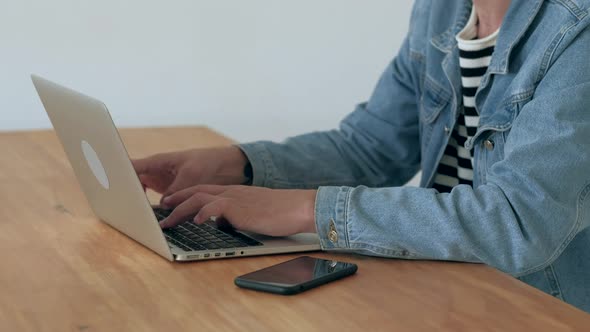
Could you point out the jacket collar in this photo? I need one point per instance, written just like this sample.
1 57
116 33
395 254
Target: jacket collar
520 15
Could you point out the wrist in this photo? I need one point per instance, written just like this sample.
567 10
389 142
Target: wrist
309 211
231 168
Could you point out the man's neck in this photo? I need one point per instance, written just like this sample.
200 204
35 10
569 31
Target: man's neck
490 14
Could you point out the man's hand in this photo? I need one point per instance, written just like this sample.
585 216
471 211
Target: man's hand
167 173
255 209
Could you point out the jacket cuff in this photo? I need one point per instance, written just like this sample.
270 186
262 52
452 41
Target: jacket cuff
330 217
260 159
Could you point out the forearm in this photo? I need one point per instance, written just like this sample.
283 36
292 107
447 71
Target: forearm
334 157
305 161
468 225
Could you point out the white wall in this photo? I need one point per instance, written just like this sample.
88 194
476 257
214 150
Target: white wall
256 69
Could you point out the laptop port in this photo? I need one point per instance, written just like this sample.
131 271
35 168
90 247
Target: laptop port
206 255
217 254
230 253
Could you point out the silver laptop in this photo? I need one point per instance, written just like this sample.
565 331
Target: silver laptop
106 175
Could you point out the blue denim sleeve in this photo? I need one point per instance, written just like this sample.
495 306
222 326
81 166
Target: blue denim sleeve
534 202
376 145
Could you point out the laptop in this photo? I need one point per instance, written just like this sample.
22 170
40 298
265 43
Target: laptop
105 173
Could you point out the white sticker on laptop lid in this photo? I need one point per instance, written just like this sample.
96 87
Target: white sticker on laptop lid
95 164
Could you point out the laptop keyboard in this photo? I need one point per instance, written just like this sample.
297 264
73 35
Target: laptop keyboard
190 236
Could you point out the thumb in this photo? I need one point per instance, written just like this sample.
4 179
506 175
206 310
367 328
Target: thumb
141 166
152 164
176 185
143 180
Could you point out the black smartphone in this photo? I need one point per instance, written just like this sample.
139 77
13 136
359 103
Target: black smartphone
295 276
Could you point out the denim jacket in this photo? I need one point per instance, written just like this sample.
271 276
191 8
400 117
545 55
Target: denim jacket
528 211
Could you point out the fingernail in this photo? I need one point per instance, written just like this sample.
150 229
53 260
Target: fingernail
162 224
166 199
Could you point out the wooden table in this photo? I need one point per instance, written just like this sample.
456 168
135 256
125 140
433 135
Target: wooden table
64 270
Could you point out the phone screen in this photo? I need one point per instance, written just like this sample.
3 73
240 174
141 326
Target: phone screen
297 271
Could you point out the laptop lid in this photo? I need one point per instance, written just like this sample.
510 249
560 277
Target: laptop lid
101 163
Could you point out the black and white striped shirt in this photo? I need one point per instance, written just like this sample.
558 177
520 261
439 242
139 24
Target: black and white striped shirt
456 165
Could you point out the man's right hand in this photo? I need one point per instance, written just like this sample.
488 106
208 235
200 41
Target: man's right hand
167 173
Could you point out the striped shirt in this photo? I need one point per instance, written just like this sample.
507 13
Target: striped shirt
456 165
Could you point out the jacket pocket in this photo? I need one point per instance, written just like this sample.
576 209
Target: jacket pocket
433 100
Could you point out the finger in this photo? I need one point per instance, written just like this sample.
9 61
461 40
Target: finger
187 209
142 165
151 182
211 189
176 185
146 181
178 197
175 198
143 179
217 209
154 164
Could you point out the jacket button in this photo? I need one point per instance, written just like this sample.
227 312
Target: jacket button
489 144
332 234
447 129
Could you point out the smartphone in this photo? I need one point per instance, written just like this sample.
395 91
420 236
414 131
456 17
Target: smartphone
295 276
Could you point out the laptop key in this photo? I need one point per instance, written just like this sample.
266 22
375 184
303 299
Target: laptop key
192 245
196 246
190 236
180 245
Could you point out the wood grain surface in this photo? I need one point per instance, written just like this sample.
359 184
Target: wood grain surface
65 270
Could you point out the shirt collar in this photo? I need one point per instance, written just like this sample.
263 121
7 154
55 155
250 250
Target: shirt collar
521 14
